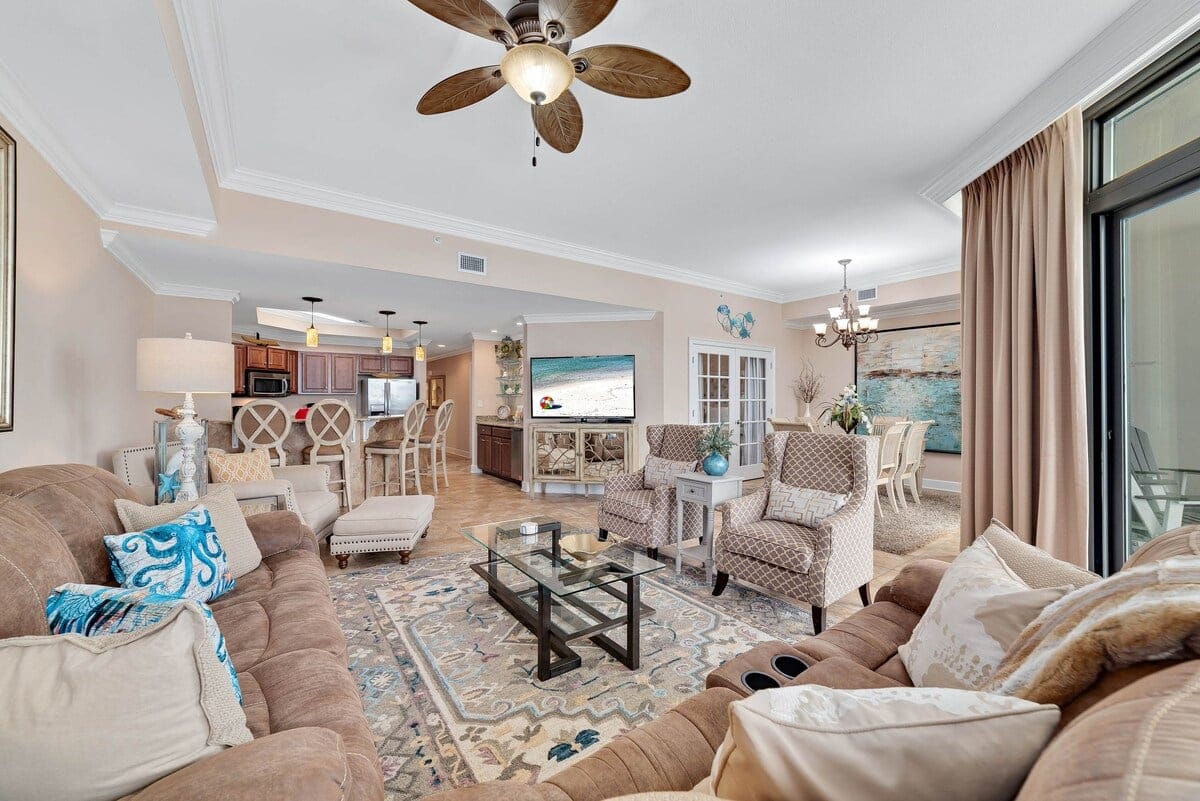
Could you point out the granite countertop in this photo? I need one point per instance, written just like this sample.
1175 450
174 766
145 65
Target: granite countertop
493 420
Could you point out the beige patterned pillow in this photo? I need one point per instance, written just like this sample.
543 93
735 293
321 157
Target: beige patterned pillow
801 506
811 743
96 718
661 472
979 608
230 468
1036 568
228 520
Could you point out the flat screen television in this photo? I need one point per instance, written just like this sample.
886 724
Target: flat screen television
570 387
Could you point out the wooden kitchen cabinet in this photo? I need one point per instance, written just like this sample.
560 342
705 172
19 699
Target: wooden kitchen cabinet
239 369
402 366
498 451
371 363
293 370
343 373
314 373
276 359
256 357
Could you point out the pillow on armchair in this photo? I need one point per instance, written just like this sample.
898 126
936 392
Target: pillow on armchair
801 506
661 472
229 468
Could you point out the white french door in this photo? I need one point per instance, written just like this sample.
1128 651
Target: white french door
734 386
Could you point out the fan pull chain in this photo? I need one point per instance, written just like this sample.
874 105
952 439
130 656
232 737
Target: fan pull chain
537 142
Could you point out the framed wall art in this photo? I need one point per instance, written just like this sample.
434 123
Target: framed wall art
916 373
8 274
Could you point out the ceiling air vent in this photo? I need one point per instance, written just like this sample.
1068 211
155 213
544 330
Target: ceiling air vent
476 265
868 294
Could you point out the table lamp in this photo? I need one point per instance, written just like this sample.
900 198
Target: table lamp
185 366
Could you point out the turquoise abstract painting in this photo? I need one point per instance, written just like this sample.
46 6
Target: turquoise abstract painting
916 373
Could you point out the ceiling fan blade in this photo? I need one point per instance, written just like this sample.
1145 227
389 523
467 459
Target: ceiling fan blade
564 20
461 90
629 71
473 16
560 123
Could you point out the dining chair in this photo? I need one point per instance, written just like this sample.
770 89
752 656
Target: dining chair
881 424
435 444
783 424
912 461
889 463
330 425
403 449
263 424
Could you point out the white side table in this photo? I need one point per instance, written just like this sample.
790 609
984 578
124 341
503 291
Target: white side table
710 492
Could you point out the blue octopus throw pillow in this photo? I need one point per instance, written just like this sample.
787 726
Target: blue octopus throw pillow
181 559
93 610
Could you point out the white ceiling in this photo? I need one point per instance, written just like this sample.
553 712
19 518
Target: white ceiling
455 310
93 81
809 132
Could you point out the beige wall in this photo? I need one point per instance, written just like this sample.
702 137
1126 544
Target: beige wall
642 338
457 370
836 364
79 315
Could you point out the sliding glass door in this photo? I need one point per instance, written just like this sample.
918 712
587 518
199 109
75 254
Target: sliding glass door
733 386
1143 206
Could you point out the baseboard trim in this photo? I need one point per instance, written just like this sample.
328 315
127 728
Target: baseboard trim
476 471
944 486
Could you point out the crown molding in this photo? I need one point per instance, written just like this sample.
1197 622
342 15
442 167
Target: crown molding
118 247
937 268
894 311
204 49
163 220
446 354
478 337
1147 27
639 315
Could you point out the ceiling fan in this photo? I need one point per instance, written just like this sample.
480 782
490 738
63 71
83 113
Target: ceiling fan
539 64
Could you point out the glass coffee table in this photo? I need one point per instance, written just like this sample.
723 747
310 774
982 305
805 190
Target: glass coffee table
562 597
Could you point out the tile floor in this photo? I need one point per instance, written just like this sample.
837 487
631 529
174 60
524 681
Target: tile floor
474 499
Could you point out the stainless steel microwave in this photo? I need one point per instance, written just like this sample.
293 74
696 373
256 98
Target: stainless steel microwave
266 385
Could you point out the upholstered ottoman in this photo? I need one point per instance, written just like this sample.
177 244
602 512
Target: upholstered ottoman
380 524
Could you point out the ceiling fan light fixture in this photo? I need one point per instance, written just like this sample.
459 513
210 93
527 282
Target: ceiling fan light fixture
538 73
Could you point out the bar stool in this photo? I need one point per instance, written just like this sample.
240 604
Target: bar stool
330 424
402 449
263 424
436 444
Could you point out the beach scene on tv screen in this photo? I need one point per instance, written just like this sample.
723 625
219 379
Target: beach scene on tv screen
582 386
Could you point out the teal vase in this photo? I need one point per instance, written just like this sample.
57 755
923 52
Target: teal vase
715 464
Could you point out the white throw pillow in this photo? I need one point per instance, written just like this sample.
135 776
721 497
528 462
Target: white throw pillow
802 506
811 743
979 608
96 718
234 535
661 472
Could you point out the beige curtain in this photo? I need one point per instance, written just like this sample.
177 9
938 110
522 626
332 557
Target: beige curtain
1025 454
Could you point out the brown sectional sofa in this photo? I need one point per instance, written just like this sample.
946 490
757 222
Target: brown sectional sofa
1132 736
311 737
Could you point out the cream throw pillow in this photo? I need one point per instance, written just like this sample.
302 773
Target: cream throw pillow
801 506
232 532
229 468
1035 567
96 718
811 743
979 608
661 472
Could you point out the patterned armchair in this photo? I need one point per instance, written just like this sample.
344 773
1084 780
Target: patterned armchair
816 565
647 516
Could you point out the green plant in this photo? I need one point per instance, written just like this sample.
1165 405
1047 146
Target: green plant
716 439
846 410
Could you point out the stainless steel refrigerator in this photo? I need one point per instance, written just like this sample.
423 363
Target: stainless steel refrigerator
382 397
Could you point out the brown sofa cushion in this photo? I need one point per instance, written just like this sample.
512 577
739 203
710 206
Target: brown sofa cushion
77 502
915 585
34 559
869 637
1139 743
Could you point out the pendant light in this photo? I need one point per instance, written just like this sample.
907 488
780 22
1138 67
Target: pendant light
311 338
419 353
385 344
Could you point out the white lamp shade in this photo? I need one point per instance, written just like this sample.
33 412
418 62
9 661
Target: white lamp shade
184 365
820 328
537 72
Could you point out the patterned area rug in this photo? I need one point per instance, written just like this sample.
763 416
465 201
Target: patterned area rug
449 683
907 530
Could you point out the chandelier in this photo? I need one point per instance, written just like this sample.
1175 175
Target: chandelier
851 323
